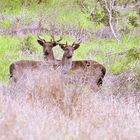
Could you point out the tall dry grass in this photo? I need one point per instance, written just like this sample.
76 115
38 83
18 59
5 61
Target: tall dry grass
45 105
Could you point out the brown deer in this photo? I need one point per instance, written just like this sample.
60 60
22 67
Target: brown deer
16 69
66 62
91 69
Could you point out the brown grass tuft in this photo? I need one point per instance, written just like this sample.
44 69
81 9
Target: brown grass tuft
46 105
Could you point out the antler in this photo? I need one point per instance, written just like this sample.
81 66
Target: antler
60 39
41 38
52 38
78 42
55 41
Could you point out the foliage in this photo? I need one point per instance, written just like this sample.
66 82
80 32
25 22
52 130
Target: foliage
5 23
133 21
133 54
27 46
97 12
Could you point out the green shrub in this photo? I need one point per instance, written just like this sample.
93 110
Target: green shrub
26 45
133 54
5 23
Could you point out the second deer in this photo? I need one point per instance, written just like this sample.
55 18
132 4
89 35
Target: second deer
91 69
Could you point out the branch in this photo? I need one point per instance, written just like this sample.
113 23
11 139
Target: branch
109 10
118 53
90 12
93 10
86 9
126 3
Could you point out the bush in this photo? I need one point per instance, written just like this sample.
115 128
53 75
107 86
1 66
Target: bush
27 46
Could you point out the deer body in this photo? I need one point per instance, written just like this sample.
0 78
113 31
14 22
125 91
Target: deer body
90 68
18 68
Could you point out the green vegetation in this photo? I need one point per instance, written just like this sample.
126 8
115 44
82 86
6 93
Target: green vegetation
69 18
44 104
5 23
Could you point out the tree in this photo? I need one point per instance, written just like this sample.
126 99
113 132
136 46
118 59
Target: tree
109 7
119 15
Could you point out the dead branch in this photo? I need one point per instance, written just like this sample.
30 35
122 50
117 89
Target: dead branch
118 53
109 8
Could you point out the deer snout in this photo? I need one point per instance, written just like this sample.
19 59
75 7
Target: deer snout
70 56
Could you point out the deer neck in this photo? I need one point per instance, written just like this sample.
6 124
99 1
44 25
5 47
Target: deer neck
49 58
66 64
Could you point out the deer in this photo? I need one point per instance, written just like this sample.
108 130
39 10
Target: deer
89 68
16 68
92 71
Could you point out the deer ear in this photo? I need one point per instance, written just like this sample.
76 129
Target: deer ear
54 44
76 46
40 42
62 47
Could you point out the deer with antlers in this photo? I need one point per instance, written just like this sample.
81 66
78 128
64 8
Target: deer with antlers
16 69
92 69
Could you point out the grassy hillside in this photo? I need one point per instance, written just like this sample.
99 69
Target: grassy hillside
117 57
47 105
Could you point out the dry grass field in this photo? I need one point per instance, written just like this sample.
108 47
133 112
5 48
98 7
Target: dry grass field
45 105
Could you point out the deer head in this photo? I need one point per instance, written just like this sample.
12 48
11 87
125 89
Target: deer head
67 56
47 47
69 49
